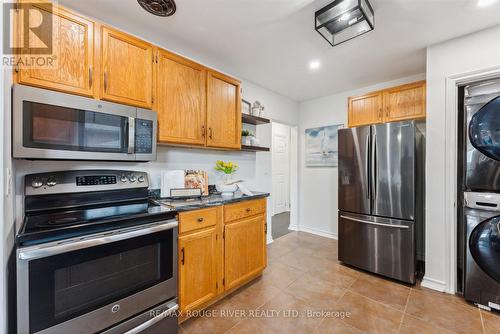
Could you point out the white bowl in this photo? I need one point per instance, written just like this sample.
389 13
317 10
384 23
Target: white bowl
226 190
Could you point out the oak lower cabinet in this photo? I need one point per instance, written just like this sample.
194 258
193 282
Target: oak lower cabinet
219 249
181 100
223 111
126 69
71 65
244 250
197 268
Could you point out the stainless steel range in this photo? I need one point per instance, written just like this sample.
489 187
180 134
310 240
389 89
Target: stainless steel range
94 255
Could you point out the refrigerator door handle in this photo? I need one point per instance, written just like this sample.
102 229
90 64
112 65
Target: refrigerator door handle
367 166
373 223
374 166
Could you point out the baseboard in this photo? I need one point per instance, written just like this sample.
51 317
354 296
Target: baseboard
434 284
293 227
316 231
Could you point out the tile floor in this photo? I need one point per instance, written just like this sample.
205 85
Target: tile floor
304 279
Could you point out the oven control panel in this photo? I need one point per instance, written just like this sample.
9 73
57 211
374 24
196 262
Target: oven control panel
85 180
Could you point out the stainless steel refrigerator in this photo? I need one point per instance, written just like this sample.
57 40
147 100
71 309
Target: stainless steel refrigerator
381 178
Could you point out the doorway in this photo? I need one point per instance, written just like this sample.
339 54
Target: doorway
281 176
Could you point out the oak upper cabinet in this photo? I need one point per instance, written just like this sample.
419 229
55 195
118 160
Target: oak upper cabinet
405 102
223 111
126 69
366 109
244 241
197 268
72 67
181 100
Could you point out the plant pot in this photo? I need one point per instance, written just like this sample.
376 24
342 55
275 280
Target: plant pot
246 140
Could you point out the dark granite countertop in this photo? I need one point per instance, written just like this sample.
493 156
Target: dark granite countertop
205 202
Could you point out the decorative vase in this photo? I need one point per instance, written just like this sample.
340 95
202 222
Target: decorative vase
254 141
226 190
246 140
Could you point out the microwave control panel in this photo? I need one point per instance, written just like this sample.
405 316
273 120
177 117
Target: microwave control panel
143 136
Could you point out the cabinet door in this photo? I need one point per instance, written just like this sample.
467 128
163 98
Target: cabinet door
127 69
405 102
72 62
197 268
365 110
181 102
244 250
224 112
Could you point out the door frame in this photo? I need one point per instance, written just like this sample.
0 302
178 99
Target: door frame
451 165
294 180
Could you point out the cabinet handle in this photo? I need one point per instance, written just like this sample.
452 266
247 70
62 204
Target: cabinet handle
248 210
105 81
203 131
265 228
210 133
90 77
182 256
200 220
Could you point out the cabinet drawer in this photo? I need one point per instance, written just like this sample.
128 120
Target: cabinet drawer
244 209
195 220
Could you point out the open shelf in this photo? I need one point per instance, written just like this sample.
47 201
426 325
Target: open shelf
255 120
255 148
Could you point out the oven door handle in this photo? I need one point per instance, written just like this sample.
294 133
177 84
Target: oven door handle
41 251
153 321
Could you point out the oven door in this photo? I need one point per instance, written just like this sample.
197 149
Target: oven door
52 125
88 285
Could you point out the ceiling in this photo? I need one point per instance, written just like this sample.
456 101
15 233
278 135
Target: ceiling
272 42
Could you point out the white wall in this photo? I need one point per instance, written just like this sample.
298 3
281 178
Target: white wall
465 55
319 186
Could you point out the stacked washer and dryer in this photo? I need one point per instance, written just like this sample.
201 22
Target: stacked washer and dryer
481 209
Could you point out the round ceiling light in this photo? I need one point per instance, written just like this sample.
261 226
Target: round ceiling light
159 7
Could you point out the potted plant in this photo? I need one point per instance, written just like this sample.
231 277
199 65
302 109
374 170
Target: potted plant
246 137
226 187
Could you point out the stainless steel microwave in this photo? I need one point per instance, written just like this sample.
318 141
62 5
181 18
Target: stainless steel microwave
53 125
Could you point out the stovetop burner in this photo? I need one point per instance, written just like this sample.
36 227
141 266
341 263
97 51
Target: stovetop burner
70 209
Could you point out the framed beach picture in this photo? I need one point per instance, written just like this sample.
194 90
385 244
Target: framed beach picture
322 146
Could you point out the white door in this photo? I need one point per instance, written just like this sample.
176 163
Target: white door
281 168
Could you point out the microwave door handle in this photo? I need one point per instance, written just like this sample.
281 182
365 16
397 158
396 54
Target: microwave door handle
131 135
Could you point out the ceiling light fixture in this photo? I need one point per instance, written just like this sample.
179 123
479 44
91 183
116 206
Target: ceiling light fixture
314 65
485 3
343 20
159 7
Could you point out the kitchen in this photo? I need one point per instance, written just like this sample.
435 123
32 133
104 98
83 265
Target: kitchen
313 190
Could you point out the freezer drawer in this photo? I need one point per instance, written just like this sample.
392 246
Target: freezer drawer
379 245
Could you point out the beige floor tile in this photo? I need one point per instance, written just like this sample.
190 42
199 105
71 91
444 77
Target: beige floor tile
445 311
491 322
253 295
252 326
281 276
384 291
335 326
292 316
217 320
413 325
336 274
303 261
370 316
316 292
275 250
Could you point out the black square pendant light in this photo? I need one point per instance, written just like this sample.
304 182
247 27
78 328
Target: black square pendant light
343 20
